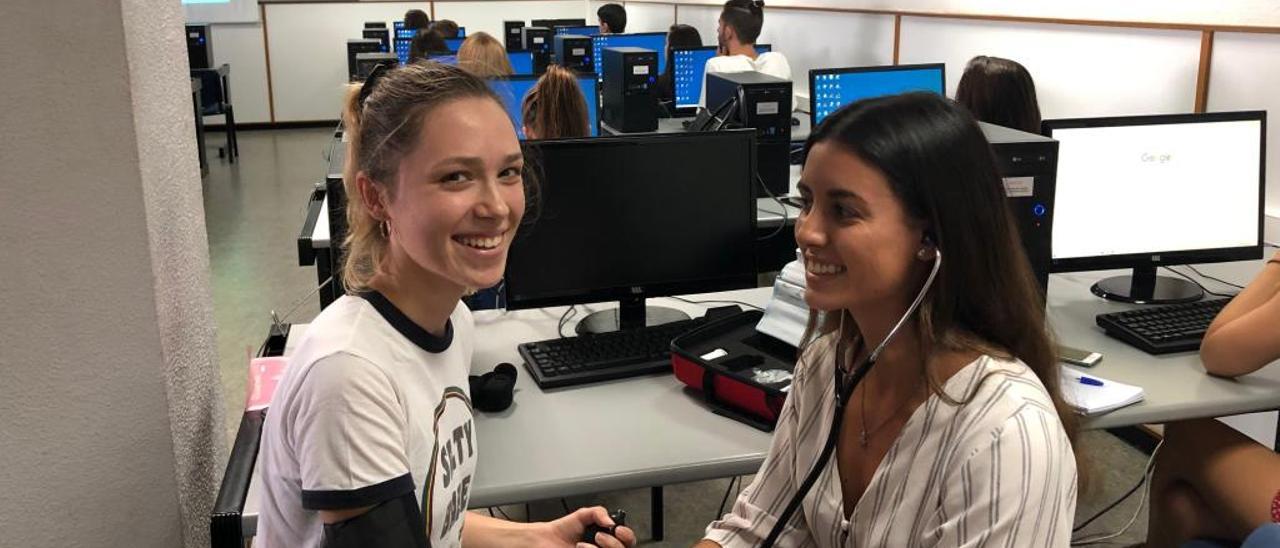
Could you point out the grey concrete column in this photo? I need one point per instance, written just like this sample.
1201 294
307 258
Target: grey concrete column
110 406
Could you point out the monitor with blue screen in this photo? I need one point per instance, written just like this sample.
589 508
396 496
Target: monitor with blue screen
462 32
513 89
580 31
656 41
690 72
454 43
521 61
446 59
831 89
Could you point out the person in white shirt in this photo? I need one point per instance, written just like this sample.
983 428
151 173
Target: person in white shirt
956 434
370 438
736 34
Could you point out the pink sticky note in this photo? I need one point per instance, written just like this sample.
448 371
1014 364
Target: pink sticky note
264 375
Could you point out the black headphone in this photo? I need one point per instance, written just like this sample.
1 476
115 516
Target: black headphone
493 391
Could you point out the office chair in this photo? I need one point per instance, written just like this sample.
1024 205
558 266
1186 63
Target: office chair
215 95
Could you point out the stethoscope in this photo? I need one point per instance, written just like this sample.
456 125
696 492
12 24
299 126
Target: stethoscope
844 383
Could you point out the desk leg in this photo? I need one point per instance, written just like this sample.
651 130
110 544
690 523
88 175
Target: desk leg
655 512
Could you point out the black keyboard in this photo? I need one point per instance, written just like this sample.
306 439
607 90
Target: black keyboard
587 359
1163 329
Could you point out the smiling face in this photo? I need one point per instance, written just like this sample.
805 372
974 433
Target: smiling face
860 245
459 195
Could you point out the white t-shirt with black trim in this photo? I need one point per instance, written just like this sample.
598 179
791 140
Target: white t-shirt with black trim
372 407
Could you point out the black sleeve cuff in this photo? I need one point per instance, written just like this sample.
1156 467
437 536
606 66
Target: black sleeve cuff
358 498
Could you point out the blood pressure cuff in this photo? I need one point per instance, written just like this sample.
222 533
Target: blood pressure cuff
396 523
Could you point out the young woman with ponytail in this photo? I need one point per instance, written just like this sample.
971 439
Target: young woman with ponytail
370 438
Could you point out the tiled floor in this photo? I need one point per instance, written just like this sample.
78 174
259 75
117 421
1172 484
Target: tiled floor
254 211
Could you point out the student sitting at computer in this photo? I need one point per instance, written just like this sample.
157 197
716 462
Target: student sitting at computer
416 20
613 19
736 34
1000 92
372 426
678 36
483 55
426 44
555 107
957 435
446 27
1210 480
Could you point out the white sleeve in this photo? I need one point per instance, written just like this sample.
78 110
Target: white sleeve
349 434
1018 487
757 508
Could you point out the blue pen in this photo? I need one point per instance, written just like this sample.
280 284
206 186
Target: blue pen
1090 381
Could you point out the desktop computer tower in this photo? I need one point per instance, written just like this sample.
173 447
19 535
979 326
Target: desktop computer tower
573 52
763 103
538 40
365 62
512 38
357 46
1028 166
199 49
630 75
381 35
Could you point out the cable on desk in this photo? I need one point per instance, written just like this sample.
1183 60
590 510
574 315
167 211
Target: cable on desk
785 216
716 301
1198 284
563 318
1146 475
1223 282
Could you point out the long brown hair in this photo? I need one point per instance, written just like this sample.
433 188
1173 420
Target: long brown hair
483 55
1001 92
555 107
383 130
941 168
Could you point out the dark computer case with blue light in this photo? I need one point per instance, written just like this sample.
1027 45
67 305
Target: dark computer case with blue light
630 76
1028 165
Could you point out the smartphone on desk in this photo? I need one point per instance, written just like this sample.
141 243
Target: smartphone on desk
1075 356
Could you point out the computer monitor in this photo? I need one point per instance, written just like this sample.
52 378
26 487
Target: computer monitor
513 89
585 30
448 59
1147 191
462 32
403 41
553 23
521 61
631 217
656 41
690 71
830 89
454 43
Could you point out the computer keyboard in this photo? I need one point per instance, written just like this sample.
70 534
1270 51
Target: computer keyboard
1163 329
587 359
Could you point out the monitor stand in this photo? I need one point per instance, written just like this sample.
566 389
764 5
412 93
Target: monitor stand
631 314
1144 287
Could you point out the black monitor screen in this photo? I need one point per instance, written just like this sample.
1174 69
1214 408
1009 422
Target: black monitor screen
637 216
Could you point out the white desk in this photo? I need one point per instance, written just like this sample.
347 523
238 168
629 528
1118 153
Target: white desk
649 431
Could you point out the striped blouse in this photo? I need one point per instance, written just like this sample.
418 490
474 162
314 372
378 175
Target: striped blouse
996 471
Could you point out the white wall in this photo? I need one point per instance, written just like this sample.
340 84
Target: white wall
649 17
309 53
1222 12
109 391
1246 76
488 15
241 45
1079 71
